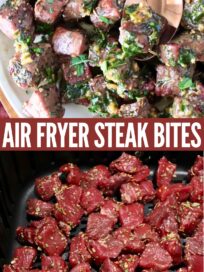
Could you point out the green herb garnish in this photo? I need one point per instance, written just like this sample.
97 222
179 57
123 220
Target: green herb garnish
186 83
37 50
105 20
78 64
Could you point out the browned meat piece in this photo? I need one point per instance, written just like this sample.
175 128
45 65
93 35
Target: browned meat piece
69 42
168 79
17 19
73 76
106 13
47 11
78 9
140 109
194 42
34 67
44 103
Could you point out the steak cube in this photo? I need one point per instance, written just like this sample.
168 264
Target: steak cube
69 42
190 215
50 239
83 267
69 195
111 208
73 76
17 19
46 187
133 192
108 247
198 166
128 262
165 172
26 235
91 200
65 228
131 215
38 208
95 222
145 233
196 194
106 14
139 109
179 190
142 174
72 173
110 266
44 103
126 163
130 240
53 264
70 214
48 11
156 258
172 244
23 258
75 10
78 250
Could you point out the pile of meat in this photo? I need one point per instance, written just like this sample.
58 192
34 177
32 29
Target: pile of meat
114 219
87 52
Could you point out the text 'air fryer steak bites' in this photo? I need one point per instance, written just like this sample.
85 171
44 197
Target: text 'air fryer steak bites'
114 219
97 53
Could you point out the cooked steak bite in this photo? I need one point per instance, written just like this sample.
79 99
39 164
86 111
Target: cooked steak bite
75 10
44 103
140 109
140 30
47 11
16 19
33 67
106 13
69 42
193 15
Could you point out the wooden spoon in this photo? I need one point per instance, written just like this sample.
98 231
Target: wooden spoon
172 10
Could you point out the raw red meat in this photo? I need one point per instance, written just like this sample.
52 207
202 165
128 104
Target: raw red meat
39 208
26 235
197 168
179 190
130 240
142 174
155 257
165 172
145 233
128 262
91 199
111 209
69 195
109 266
73 173
197 184
133 192
70 214
23 258
65 228
78 250
84 267
190 215
126 163
131 215
108 247
98 226
50 239
47 186
53 264
171 243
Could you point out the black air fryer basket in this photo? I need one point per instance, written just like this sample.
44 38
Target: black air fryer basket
18 171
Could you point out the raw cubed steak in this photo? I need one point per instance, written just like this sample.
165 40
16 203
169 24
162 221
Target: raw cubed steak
128 262
156 258
91 200
98 226
196 194
53 264
69 42
78 250
46 187
179 190
111 208
110 266
83 267
26 235
165 172
69 195
131 215
39 208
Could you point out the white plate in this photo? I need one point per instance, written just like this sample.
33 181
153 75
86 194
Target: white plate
17 96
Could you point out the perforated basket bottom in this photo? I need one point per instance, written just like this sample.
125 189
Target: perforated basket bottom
22 220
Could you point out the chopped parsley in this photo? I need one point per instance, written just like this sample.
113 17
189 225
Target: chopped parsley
89 5
37 50
78 64
105 20
50 1
186 83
